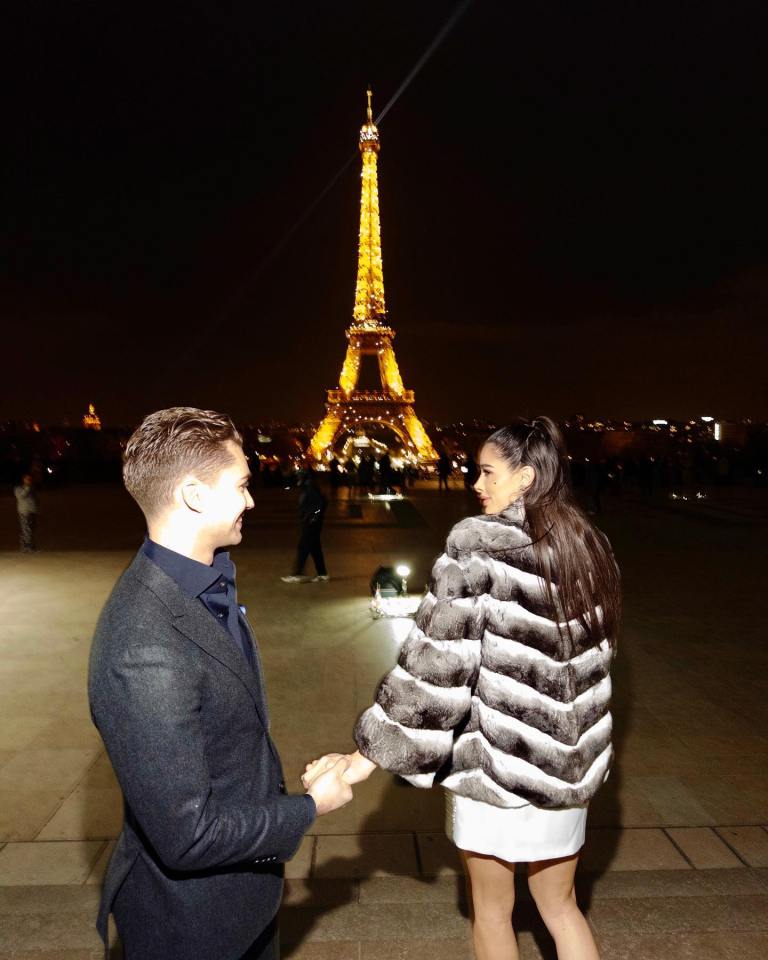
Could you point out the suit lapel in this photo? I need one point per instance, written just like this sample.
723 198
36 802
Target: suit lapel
199 626
192 620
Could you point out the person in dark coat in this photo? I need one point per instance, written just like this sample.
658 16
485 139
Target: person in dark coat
444 469
312 505
176 690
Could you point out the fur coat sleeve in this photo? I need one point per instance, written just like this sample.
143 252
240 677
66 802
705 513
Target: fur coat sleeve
410 728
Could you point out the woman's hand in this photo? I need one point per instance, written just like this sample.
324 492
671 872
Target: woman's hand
359 768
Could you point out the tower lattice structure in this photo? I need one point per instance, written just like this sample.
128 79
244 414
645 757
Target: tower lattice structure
347 408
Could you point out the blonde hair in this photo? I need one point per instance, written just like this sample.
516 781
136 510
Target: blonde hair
169 444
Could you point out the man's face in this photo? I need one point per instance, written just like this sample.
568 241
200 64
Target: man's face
225 499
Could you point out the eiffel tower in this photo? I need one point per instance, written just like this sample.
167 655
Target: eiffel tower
349 409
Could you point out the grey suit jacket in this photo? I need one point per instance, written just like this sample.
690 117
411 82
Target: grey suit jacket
197 870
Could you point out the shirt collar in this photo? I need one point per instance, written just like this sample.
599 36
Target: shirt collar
193 577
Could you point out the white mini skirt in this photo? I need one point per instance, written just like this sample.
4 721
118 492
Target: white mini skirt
517 834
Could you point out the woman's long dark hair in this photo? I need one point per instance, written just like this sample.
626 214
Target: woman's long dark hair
569 551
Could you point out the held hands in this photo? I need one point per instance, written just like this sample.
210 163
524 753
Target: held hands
358 768
328 788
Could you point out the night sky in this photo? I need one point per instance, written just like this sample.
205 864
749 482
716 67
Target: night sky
573 198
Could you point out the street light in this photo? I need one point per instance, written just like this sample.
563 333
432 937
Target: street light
404 571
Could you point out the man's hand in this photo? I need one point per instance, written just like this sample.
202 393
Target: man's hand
359 767
316 767
328 789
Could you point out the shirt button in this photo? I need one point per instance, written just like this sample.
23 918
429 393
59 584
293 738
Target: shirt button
221 616
223 583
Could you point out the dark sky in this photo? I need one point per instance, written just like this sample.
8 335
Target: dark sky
573 205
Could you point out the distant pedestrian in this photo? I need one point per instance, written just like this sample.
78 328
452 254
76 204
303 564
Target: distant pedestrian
312 506
471 473
26 507
385 473
444 468
335 474
365 473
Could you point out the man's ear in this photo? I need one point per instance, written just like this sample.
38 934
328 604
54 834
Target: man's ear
192 494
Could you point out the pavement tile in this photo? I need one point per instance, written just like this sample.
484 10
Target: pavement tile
55 954
23 864
69 733
620 802
23 813
439 856
88 814
703 848
365 855
751 843
338 950
46 769
629 884
300 865
390 805
675 803
374 922
53 705
49 899
322 894
53 932
731 798
100 775
97 874
458 949
413 890
343 822
611 849
18 731
679 914
681 946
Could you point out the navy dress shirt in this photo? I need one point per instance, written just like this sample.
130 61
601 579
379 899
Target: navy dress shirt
214 586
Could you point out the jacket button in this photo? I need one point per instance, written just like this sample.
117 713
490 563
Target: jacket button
281 786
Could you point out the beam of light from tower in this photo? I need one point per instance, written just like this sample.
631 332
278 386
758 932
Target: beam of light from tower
234 301
449 24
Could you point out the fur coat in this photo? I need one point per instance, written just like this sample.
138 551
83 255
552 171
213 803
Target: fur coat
489 698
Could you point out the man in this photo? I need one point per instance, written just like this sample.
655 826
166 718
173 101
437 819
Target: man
312 506
176 691
26 507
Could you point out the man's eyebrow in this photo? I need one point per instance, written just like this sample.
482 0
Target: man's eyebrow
487 466
247 476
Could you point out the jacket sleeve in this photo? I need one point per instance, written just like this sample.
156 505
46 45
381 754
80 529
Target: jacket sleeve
410 728
147 709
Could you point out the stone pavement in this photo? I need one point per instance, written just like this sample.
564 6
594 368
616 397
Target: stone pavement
676 862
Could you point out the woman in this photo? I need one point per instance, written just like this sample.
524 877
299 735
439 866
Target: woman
502 688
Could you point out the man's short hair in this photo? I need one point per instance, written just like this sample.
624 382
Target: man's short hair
168 445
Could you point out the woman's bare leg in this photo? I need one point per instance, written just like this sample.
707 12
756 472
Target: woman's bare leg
491 886
551 883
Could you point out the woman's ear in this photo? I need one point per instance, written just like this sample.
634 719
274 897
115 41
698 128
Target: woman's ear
527 476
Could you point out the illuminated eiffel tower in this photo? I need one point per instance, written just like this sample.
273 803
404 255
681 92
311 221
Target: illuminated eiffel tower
349 409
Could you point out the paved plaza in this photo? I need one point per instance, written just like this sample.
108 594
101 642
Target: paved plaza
676 860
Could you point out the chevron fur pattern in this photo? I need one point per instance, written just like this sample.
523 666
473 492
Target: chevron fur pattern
491 697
